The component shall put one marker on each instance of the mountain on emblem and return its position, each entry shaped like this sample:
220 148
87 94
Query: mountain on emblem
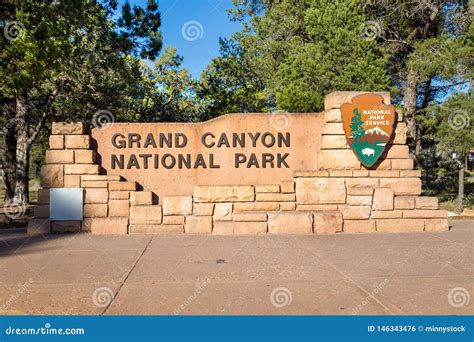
368 125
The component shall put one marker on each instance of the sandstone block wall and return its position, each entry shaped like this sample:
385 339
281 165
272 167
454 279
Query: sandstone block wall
339 196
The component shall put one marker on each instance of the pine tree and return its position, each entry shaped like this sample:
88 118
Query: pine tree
357 130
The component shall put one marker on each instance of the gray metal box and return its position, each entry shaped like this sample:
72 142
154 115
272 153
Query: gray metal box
66 204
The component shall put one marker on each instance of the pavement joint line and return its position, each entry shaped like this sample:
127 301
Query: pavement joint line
122 283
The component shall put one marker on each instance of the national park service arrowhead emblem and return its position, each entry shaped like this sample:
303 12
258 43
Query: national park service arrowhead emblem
368 125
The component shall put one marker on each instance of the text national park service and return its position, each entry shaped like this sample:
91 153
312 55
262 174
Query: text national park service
153 150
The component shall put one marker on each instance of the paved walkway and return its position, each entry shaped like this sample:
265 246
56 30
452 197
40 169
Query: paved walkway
411 273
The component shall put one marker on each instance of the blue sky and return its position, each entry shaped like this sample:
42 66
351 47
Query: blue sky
204 21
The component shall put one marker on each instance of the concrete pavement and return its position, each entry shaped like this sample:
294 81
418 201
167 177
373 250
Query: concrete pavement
410 273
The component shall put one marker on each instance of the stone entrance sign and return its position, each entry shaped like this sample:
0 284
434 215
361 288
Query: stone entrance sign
239 174
238 149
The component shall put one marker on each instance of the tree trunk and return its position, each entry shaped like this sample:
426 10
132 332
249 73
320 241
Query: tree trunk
409 102
22 177
460 200
8 162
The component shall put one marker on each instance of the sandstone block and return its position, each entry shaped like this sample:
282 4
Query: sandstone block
335 128
156 229
177 205
43 196
56 142
316 207
52 176
223 228
359 226
327 222
39 226
119 195
402 164
174 220
410 173
84 156
256 206
224 193
268 197
68 128
287 206
198 225
320 190
96 195
146 214
400 225
122 186
425 213
59 157
94 184
95 210
287 187
385 173
338 160
398 152
361 186
110 225
340 173
290 223
425 202
99 178
383 199
360 173
77 141
409 186
338 98
359 200
81 169
332 116
65 226
360 212
436 225
385 214
250 217
400 134
119 208
329 142
142 198
223 212
203 209
86 224
310 173
249 228
267 188
404 202
72 181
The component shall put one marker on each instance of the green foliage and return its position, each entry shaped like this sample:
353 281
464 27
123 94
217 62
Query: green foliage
454 125
291 54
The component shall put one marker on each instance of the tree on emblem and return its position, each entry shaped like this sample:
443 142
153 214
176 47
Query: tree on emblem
357 130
